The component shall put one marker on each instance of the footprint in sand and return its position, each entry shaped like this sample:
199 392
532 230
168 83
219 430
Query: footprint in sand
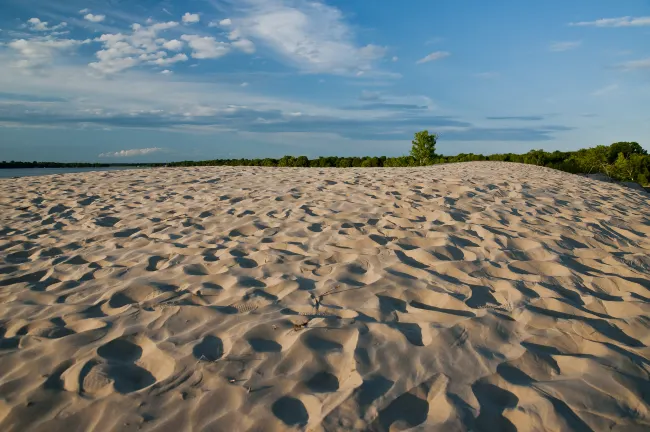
291 411
124 365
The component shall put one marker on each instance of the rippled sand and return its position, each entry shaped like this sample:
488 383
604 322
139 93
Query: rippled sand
477 296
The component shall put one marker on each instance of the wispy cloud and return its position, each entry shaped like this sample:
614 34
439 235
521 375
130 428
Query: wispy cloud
435 40
564 46
308 34
38 51
636 64
487 75
615 22
516 118
130 153
433 57
605 90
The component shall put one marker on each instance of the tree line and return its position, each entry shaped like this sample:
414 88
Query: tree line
622 161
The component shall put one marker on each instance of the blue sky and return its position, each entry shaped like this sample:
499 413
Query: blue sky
152 80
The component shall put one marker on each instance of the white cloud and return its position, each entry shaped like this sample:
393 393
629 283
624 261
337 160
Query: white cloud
114 65
244 84
37 25
309 34
39 51
225 22
245 45
605 90
173 45
123 51
138 98
131 152
206 47
84 11
166 61
433 57
190 18
615 22
95 18
166 72
564 46
435 40
636 64
370 96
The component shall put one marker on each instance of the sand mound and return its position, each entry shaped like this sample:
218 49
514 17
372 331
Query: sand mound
478 296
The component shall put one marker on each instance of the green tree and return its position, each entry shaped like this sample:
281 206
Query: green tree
301 161
286 161
627 148
423 150
535 157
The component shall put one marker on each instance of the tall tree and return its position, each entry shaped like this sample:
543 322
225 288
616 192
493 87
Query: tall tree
423 150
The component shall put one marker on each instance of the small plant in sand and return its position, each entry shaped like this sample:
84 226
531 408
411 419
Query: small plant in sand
423 150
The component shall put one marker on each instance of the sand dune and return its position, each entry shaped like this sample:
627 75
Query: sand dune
478 296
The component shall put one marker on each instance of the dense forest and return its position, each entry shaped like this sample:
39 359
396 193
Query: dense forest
622 161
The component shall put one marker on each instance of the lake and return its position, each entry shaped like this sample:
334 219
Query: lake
30 172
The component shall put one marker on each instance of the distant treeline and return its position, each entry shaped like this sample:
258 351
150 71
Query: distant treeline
623 161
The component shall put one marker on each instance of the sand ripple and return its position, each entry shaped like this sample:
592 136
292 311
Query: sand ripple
477 296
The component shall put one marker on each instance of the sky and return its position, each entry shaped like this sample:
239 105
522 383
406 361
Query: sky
163 80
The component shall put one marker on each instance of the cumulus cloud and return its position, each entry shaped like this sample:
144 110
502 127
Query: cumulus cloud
39 51
190 18
94 18
37 25
227 22
173 45
206 47
244 45
166 72
123 51
564 46
309 34
131 152
166 61
626 21
433 57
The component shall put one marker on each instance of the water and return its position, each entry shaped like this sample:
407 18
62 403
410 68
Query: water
30 172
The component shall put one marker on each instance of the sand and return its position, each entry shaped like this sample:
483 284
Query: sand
478 296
